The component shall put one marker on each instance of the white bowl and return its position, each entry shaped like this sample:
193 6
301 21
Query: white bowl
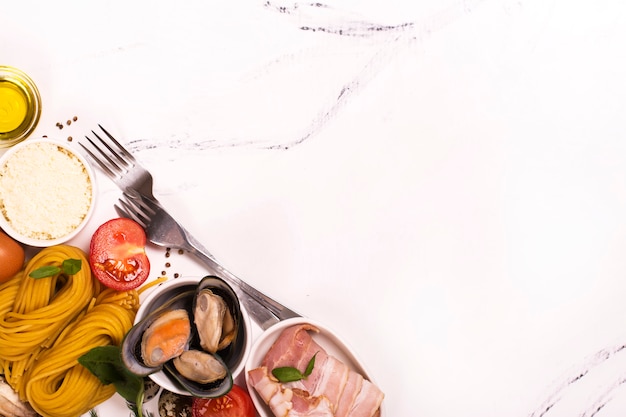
42 197
163 292
326 338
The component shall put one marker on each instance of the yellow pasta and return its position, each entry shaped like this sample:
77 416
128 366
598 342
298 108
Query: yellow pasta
47 324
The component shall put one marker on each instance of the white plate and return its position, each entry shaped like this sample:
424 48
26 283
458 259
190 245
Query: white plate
326 338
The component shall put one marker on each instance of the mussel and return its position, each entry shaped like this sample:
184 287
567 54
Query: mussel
200 366
214 321
199 361
132 355
166 338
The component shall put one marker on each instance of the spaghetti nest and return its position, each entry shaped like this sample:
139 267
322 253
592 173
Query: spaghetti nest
46 324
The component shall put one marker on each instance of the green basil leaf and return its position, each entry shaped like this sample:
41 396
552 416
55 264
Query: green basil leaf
309 367
290 374
69 266
105 362
72 266
45 271
287 374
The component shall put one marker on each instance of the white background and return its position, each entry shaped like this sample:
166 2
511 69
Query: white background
442 183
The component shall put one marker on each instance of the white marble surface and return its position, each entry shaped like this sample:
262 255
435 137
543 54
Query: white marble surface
443 183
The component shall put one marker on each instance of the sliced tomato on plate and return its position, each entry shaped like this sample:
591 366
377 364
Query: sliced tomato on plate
237 403
117 254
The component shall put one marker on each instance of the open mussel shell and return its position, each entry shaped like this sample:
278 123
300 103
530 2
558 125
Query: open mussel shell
234 352
211 390
131 345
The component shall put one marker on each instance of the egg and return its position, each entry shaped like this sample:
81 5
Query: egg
11 257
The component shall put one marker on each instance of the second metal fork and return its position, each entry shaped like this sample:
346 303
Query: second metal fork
118 164
163 230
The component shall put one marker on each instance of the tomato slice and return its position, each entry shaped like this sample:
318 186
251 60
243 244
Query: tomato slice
237 403
117 254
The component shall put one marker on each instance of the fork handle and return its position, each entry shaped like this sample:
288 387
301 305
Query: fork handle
263 309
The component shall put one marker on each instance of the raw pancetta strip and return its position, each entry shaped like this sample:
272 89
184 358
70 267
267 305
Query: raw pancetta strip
350 392
305 405
272 393
328 379
264 386
294 347
332 389
286 402
367 401
314 381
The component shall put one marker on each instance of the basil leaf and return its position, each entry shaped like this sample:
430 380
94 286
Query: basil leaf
309 367
290 374
72 266
105 362
69 267
287 374
45 271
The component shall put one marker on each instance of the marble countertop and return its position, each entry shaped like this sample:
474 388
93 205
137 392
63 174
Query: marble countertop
442 183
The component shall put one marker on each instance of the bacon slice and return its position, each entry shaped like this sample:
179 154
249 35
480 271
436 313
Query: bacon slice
350 393
266 388
305 405
367 401
332 389
272 393
286 401
294 347
328 379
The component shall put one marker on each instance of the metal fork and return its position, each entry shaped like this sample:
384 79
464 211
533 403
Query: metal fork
118 164
163 230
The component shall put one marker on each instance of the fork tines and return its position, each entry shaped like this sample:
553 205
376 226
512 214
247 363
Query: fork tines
135 207
118 158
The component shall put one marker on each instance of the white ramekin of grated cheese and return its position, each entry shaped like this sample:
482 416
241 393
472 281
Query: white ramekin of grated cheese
47 192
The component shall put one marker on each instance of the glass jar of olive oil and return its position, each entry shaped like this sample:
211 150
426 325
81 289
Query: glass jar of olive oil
20 106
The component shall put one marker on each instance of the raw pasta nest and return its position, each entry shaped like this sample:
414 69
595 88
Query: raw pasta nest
47 323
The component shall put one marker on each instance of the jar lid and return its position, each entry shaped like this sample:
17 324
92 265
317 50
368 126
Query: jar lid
20 106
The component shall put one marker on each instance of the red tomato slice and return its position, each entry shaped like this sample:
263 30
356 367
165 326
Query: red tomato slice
117 254
237 403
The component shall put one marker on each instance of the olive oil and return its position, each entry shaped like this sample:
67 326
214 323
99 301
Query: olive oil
20 106
13 107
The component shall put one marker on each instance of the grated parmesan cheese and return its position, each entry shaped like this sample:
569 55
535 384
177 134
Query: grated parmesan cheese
45 191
